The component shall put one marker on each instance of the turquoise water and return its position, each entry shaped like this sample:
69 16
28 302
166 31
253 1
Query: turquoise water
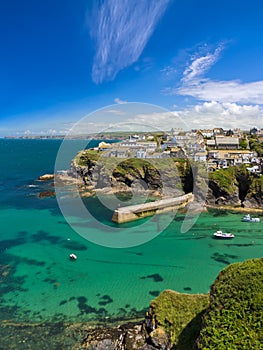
40 283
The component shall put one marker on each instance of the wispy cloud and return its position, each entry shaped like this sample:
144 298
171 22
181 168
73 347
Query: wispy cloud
121 30
115 111
194 82
119 101
200 64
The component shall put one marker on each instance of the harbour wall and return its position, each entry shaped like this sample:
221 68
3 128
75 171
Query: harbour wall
135 212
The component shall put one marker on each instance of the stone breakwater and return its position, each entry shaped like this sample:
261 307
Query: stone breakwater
135 212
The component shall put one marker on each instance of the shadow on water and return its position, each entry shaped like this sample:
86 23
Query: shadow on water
154 293
224 258
41 236
156 277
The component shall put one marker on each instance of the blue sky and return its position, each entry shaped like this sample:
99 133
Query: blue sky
63 59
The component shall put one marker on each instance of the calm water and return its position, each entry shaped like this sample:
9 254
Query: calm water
40 283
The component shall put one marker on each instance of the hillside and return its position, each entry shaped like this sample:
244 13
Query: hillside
233 186
234 318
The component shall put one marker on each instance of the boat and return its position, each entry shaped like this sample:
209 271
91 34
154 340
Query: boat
223 235
73 256
248 218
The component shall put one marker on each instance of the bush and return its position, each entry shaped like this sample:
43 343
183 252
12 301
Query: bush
234 319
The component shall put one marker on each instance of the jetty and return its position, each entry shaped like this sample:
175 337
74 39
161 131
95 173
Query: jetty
139 211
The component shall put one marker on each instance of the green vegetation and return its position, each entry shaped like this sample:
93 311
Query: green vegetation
225 178
230 318
234 319
180 316
256 188
256 145
83 157
243 144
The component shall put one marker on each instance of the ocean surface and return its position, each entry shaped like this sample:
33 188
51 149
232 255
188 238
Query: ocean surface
39 283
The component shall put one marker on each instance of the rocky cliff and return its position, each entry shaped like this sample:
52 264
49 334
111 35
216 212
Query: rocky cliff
234 186
160 176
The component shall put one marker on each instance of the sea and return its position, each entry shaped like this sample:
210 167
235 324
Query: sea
108 282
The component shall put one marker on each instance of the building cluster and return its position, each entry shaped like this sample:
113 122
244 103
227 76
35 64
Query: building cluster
217 148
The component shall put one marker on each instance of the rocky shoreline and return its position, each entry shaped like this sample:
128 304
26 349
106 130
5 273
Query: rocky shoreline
234 208
231 187
49 336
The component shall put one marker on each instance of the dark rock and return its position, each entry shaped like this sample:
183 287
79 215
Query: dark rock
159 339
47 193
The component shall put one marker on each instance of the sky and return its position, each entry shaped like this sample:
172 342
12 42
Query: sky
197 63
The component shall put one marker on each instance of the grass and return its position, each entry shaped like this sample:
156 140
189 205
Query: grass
234 319
180 316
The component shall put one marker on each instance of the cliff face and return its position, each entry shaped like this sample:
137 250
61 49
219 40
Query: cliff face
161 176
233 186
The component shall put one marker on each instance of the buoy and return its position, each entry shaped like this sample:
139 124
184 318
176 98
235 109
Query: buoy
73 256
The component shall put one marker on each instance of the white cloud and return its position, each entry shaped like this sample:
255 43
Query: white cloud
223 91
121 29
225 115
205 115
119 101
194 84
200 65
115 111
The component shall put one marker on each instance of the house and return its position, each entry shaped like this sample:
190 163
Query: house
206 133
211 143
218 131
230 157
141 154
226 142
177 152
200 156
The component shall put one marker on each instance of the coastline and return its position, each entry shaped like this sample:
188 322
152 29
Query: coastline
89 191
235 209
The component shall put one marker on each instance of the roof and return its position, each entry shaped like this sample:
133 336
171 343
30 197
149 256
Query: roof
210 142
227 140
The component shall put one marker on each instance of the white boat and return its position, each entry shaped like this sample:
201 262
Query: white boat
248 218
223 235
73 256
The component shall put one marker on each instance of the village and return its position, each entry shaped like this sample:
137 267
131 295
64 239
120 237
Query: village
216 148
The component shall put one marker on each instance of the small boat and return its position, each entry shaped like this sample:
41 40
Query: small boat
73 256
248 218
223 235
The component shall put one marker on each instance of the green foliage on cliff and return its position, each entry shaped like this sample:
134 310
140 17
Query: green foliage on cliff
180 316
83 157
229 318
225 178
256 145
234 319
256 186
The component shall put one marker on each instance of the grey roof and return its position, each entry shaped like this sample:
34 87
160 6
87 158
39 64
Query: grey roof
227 141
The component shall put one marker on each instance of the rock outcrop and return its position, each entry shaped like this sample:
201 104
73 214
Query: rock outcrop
116 175
46 177
234 186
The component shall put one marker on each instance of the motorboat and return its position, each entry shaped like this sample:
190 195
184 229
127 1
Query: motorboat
223 235
73 256
248 218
